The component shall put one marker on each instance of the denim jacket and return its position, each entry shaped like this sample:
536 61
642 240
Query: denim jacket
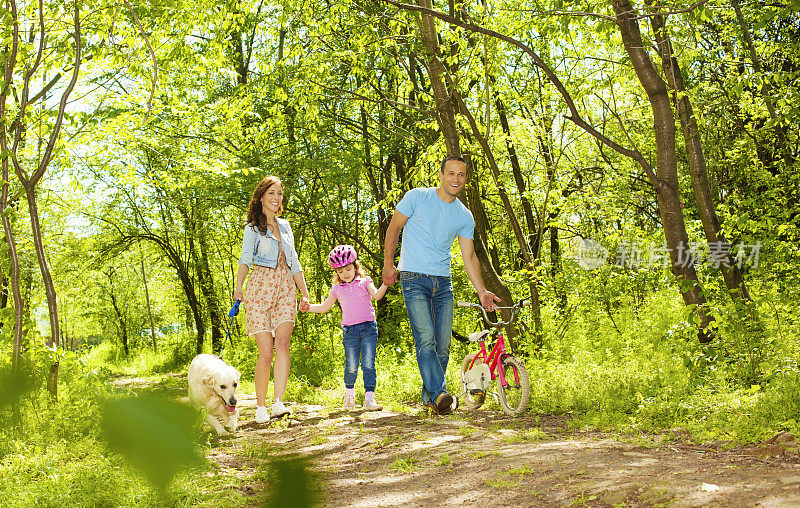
269 256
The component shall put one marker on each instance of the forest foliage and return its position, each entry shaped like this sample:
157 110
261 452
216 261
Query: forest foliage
634 171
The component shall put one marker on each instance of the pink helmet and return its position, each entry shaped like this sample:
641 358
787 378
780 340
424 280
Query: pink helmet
342 255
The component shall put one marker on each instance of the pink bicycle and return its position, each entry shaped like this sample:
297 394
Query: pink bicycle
479 369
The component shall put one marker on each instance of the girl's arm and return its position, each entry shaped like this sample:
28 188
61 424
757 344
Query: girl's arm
325 306
378 293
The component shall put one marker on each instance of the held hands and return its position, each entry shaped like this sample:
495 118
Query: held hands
487 299
304 304
389 274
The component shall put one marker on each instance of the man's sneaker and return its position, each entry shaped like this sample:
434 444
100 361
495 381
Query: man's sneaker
371 405
261 414
278 410
349 403
444 403
430 408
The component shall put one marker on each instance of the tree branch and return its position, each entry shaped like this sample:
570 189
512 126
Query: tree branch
152 55
574 116
48 152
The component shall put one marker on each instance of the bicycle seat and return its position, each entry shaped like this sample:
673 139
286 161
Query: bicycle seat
479 336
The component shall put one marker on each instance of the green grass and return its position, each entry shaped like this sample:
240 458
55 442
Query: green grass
647 377
527 436
521 471
467 430
406 464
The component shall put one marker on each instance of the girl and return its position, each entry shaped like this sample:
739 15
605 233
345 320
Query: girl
354 291
270 300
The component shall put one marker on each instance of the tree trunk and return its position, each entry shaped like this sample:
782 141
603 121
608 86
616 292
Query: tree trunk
194 312
123 327
3 286
49 287
14 278
490 275
445 109
666 182
445 116
147 300
718 244
511 217
206 281
194 306
29 182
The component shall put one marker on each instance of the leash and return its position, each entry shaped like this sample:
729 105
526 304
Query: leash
231 314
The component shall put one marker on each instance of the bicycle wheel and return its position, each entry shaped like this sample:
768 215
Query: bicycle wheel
514 398
472 399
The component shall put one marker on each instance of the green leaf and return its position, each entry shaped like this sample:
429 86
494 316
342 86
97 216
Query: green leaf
154 435
13 386
291 483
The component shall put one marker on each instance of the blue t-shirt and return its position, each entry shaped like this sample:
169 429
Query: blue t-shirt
432 226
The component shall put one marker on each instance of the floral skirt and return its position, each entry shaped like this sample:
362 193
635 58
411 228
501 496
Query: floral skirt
270 298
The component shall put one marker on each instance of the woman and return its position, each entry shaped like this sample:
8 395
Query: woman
270 300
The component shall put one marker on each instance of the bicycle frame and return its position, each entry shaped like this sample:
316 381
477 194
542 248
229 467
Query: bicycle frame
494 360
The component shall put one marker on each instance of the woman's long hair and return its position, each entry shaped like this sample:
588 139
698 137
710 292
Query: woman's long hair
255 216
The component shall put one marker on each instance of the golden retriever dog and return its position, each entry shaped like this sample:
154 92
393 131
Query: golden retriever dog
212 385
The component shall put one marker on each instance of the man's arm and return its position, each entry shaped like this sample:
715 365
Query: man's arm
473 269
389 273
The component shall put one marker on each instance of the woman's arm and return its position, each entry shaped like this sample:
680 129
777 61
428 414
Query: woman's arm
241 274
295 265
378 293
300 282
249 239
324 306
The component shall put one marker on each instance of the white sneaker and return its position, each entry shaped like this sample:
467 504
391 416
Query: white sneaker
349 403
278 410
371 405
261 414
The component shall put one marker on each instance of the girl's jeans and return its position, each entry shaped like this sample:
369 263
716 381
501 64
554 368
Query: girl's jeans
429 303
360 340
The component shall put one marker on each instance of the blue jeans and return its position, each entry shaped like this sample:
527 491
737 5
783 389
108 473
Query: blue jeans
429 303
360 340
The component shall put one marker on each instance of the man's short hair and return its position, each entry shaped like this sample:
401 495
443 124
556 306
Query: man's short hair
452 158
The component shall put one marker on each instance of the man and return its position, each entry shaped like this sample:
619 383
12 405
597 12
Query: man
431 218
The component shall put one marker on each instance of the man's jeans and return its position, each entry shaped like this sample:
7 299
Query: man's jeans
429 302
360 340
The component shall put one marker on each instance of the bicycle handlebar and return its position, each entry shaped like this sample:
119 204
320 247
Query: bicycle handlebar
497 324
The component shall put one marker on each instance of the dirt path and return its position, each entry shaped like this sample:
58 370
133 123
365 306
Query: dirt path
482 458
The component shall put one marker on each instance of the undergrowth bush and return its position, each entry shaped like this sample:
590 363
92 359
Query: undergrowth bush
59 456
630 368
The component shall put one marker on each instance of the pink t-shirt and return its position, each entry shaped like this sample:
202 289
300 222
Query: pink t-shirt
355 300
